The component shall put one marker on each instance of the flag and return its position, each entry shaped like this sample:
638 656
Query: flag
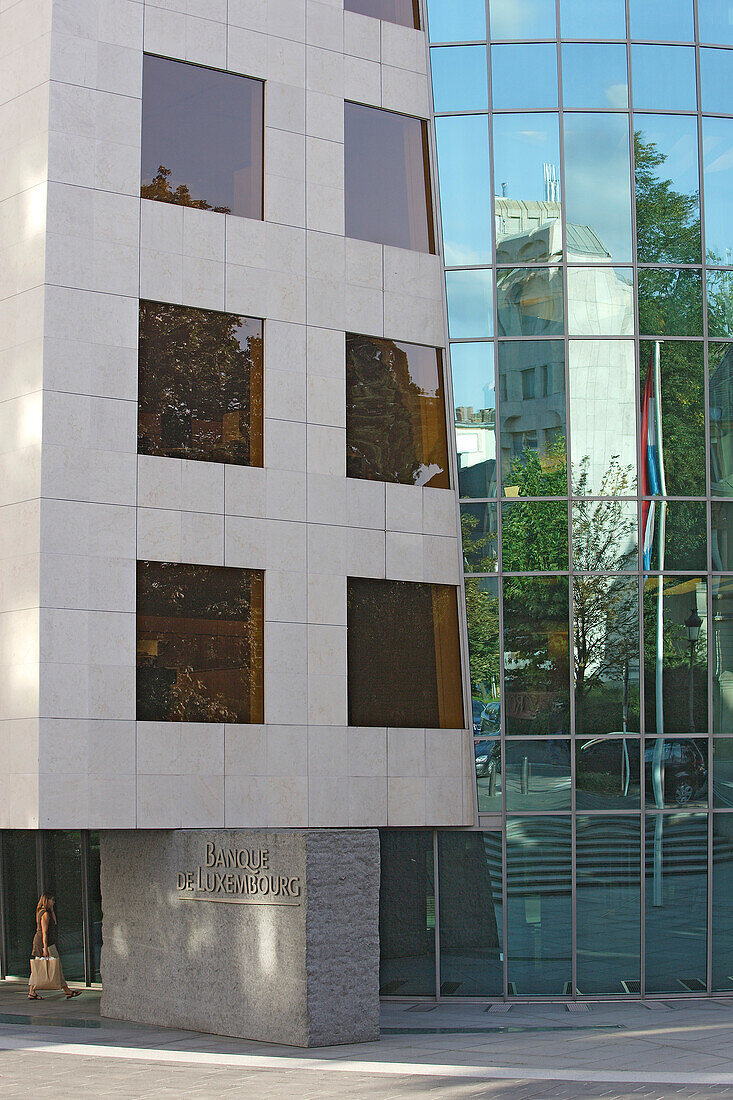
651 485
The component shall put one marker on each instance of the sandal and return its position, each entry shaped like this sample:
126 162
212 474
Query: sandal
73 993
34 997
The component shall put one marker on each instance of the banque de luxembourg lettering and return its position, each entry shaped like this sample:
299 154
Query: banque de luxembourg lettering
239 875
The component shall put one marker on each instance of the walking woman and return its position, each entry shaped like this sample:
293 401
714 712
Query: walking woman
44 942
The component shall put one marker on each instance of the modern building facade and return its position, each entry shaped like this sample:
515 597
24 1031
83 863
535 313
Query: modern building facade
365 401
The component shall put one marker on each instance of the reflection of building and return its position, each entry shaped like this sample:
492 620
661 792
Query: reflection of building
476 447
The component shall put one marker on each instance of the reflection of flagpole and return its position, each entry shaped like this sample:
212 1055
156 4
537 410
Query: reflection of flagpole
657 782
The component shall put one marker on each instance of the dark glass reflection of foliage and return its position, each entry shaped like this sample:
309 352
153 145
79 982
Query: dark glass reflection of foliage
667 221
160 190
683 413
685 536
680 596
200 385
482 612
535 536
606 654
720 302
540 475
395 431
536 660
199 644
479 547
720 358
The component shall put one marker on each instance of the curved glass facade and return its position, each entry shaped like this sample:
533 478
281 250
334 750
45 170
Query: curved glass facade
585 160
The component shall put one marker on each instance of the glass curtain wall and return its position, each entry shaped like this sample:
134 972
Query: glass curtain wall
584 167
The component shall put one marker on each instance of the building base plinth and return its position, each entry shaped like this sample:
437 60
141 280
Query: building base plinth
262 934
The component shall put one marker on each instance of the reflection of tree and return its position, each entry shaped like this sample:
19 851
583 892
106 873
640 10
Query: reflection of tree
540 475
683 413
720 302
479 550
482 611
535 536
396 431
680 596
667 221
604 531
200 385
160 190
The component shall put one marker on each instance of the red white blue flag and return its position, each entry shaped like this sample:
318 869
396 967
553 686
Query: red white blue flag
651 484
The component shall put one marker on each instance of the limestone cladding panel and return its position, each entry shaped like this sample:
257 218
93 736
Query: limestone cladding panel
84 249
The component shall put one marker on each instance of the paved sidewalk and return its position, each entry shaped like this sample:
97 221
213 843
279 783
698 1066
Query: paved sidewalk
680 1049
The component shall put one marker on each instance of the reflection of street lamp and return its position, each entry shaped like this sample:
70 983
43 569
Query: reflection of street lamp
692 626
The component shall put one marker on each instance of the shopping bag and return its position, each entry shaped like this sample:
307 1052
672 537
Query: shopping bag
46 973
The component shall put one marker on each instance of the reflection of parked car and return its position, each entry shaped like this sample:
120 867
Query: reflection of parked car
477 707
684 771
491 718
488 757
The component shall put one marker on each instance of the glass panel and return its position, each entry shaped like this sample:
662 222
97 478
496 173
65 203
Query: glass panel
682 446
670 302
538 905
404 666
201 138
527 188
522 18
487 758
663 78
717 149
482 611
676 772
534 536
715 18
662 20
387 178
603 420
536 665
530 302
404 12
533 448
594 76
471 916
685 536
460 81
606 652
407 913
675 668
395 413
20 898
720 302
721 419
722 916
607 774
600 301
723 773
721 654
480 538
538 774
463 161
472 367
62 854
95 904
199 643
597 186
608 906
451 22
667 189
470 304
721 536
538 84
716 78
602 19
676 902
199 385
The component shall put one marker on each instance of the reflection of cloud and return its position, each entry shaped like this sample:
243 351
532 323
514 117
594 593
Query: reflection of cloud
534 135
617 95
722 163
460 256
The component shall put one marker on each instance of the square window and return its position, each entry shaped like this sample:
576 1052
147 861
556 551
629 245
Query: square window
404 665
199 643
202 135
388 193
199 385
395 413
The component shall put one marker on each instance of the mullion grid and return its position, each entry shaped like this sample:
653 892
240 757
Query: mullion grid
639 574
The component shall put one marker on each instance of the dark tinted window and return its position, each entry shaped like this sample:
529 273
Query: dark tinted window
404 665
200 385
388 197
199 643
201 138
395 413
404 12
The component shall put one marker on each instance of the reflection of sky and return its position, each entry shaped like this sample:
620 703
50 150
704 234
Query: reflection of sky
463 163
472 368
522 143
599 19
594 76
459 78
663 78
717 145
715 22
716 80
538 85
676 137
456 20
470 304
522 19
662 20
597 184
